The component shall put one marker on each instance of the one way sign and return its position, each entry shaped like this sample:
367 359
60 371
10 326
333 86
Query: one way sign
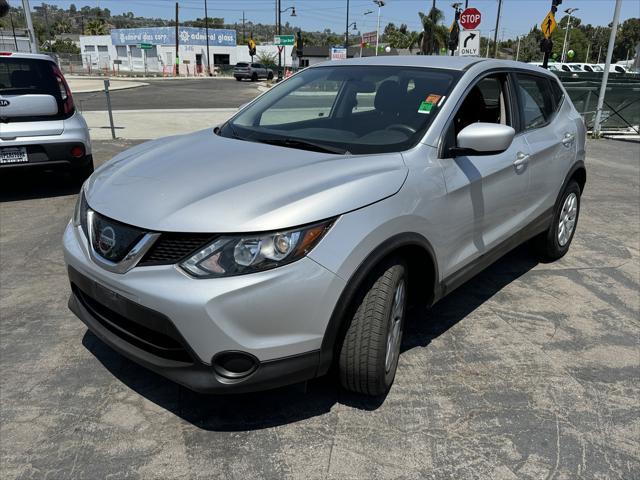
469 43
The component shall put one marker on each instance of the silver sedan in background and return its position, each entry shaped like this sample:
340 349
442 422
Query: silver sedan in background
291 239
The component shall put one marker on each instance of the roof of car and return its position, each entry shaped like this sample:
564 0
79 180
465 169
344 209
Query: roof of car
435 61
35 56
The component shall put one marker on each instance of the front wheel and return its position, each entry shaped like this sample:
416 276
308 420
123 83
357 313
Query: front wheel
270 76
371 348
554 243
254 77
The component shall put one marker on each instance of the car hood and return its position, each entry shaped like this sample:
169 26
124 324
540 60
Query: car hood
202 182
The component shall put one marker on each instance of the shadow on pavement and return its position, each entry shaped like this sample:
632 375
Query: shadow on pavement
30 183
241 412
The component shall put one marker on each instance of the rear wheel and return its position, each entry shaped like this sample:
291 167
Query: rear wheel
254 77
554 243
238 79
270 76
371 348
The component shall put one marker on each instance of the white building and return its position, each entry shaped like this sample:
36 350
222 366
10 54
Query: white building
153 50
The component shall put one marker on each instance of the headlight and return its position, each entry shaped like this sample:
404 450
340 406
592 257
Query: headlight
238 254
80 213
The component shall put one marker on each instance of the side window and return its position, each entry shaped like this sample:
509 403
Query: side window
536 105
255 65
486 102
557 92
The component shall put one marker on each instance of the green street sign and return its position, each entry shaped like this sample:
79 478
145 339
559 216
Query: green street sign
145 46
283 40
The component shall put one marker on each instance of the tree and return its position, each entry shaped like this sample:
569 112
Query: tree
269 60
431 38
62 46
96 27
627 39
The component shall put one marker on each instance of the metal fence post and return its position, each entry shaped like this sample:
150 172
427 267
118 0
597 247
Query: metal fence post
106 92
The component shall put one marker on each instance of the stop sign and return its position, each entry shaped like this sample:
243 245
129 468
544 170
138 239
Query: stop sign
470 18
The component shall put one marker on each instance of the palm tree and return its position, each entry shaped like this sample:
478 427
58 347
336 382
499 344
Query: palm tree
96 27
431 36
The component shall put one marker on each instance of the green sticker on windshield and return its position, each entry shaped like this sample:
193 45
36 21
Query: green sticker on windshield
425 107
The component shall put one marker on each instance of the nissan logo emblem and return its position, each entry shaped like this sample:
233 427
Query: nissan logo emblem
4 103
106 240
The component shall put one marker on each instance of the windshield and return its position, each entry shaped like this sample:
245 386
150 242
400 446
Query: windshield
575 68
346 109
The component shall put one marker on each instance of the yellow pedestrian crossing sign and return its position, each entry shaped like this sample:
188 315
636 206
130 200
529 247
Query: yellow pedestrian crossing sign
548 25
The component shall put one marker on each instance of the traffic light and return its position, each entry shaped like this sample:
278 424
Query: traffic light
554 5
252 47
299 44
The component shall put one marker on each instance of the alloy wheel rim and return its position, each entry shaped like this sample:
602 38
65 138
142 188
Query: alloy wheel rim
394 333
567 221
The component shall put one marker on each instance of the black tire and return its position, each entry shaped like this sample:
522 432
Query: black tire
254 77
238 79
363 356
80 174
270 76
547 244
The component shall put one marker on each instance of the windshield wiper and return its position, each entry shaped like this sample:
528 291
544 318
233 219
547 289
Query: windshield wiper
304 144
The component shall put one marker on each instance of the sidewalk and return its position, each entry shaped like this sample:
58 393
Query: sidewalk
149 124
87 85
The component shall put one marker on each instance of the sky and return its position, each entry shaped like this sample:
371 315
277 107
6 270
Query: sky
517 17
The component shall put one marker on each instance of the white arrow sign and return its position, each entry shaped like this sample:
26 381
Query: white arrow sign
469 43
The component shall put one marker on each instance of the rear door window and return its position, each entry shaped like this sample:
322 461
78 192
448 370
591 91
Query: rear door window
536 102
27 76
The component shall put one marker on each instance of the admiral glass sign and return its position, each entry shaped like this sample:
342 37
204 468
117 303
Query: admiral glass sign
167 36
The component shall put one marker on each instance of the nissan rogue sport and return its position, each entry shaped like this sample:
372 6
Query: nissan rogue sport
289 240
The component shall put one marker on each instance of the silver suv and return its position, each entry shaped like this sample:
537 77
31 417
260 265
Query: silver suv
39 124
251 71
290 239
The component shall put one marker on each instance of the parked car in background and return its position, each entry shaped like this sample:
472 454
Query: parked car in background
291 239
251 71
615 68
589 67
552 67
39 124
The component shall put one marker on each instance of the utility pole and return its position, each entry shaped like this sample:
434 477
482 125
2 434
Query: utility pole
346 31
177 45
599 52
244 40
13 29
518 50
433 36
380 4
206 29
605 75
32 34
570 11
495 34
279 7
586 60
466 4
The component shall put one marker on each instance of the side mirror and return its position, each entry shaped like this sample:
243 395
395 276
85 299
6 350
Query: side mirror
483 139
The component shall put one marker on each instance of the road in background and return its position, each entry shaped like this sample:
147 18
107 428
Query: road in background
173 94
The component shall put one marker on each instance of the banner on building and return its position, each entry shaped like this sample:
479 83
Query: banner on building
167 36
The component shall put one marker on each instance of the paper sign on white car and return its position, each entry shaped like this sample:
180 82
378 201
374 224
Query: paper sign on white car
469 43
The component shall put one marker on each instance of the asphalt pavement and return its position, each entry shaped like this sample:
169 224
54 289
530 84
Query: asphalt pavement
529 371
174 94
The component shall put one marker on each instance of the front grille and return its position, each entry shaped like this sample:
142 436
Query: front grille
160 342
171 248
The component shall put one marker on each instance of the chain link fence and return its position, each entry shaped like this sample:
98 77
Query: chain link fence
621 110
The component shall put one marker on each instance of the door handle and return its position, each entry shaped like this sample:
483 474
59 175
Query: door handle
521 161
568 139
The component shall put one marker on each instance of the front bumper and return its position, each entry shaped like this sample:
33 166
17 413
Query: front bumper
279 317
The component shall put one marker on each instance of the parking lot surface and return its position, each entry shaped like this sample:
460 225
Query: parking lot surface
529 371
